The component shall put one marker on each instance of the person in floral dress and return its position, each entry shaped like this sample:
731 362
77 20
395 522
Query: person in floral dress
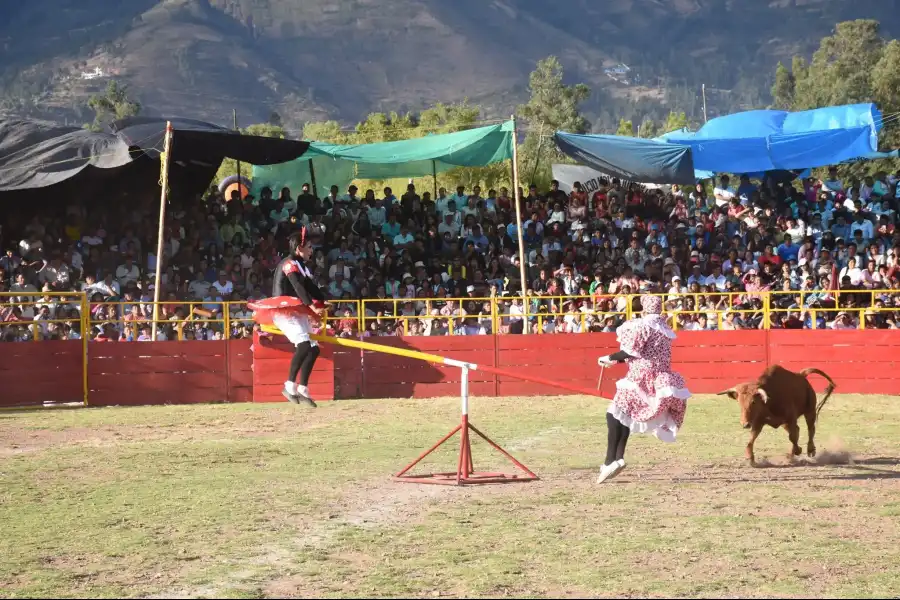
651 398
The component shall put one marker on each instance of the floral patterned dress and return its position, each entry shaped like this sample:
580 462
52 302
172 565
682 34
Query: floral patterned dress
651 398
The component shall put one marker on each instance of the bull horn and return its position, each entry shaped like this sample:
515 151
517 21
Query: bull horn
729 392
762 394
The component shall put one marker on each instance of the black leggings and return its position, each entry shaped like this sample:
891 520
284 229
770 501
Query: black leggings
302 362
617 437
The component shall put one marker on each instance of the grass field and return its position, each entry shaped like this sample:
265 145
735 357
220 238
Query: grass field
277 500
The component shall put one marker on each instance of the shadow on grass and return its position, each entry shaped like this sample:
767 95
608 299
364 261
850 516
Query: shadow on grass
857 470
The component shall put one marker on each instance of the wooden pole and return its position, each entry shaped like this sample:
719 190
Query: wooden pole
312 179
234 118
705 118
518 205
434 176
537 155
163 196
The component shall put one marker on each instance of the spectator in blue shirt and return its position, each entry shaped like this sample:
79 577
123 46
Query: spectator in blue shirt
745 190
788 251
390 228
479 239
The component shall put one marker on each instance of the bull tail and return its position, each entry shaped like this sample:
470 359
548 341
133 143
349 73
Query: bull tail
828 390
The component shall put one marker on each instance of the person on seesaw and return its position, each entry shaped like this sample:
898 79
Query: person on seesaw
651 398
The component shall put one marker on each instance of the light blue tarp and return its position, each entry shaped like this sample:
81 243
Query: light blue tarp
756 141
634 159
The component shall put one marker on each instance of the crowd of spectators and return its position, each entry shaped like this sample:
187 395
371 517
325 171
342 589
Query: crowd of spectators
449 265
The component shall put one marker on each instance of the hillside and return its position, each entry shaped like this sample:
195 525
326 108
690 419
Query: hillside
341 59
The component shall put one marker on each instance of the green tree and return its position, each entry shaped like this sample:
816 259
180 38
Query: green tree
265 130
552 106
648 128
886 90
325 131
112 105
675 121
783 89
841 69
886 79
625 128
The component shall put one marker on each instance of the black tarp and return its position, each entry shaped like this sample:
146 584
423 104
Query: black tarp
634 159
42 159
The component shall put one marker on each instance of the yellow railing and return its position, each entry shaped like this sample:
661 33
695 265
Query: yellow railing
69 315
33 316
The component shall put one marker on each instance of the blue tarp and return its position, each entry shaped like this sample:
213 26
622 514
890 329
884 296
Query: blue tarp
766 140
634 159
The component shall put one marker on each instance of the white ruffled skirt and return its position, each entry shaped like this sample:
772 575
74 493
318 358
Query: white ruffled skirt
651 404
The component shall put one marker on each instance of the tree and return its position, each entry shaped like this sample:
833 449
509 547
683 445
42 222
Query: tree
325 131
275 119
854 65
552 102
886 79
675 121
783 89
886 90
648 128
625 128
553 106
840 71
265 130
114 104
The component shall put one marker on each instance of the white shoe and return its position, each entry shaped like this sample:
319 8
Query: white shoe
611 470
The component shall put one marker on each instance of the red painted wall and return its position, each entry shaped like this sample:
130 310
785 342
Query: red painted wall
32 373
864 362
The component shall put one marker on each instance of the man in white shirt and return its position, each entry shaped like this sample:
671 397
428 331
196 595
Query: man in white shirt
377 214
198 288
449 225
696 276
722 192
440 203
128 272
223 285
862 224
832 185
716 278
404 240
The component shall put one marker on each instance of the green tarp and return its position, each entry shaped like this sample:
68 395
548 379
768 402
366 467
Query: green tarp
340 164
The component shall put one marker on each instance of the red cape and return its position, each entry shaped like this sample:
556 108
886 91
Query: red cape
265 308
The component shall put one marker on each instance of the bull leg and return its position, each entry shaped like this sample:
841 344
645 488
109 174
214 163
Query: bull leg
794 435
754 433
811 429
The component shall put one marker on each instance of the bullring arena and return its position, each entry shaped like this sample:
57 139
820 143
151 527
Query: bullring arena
191 477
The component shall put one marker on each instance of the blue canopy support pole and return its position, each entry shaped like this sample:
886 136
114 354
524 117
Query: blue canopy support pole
312 179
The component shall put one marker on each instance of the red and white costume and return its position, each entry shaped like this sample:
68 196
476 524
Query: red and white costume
651 398
294 293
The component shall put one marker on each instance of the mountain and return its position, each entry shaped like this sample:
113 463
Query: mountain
318 59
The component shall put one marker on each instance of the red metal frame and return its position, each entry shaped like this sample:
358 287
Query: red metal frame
465 470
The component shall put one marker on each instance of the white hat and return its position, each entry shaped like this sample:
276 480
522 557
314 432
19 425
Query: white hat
407 276
470 288
419 263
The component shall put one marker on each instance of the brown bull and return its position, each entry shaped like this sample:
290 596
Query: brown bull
778 399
